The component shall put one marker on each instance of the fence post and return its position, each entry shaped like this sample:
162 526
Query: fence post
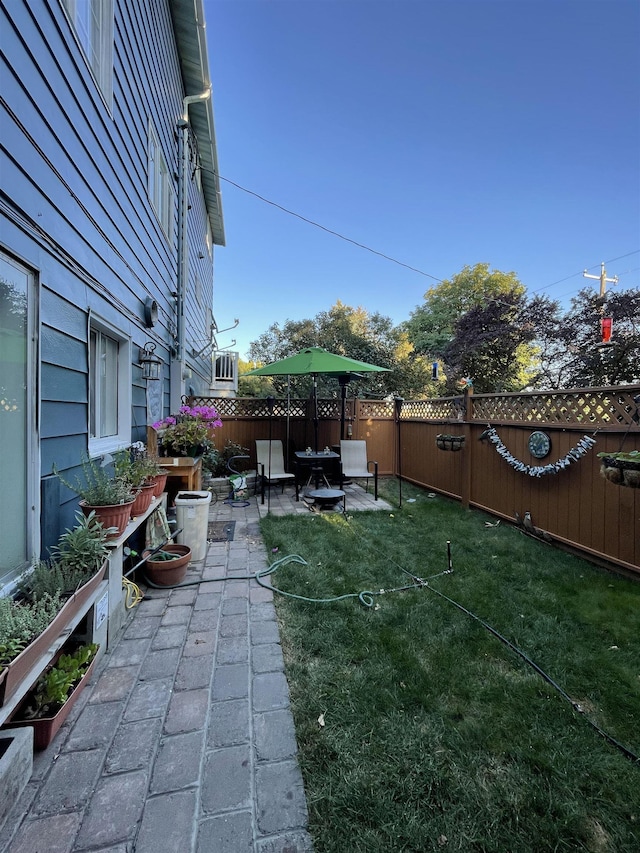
467 452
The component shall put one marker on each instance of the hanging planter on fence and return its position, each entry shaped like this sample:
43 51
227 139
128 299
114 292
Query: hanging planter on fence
449 442
622 469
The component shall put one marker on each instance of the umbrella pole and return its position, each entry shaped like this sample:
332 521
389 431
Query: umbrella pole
315 411
288 420
343 380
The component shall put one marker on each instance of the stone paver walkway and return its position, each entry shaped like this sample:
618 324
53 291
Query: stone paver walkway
184 740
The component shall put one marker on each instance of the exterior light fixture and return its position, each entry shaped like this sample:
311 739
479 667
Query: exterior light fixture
150 362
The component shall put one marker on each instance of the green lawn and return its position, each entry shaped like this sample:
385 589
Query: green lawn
436 735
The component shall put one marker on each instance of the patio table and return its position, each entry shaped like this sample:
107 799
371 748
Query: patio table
315 460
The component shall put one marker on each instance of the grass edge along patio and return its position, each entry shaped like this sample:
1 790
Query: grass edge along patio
418 729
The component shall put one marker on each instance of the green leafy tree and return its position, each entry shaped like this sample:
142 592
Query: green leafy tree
480 324
348 331
431 326
570 351
494 345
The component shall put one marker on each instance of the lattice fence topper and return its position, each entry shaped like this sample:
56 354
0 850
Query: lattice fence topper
574 455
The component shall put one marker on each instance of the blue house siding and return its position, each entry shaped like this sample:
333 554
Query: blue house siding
75 208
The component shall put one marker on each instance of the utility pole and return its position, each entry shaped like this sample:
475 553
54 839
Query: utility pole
603 280
606 324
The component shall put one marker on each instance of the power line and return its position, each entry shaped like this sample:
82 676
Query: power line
388 257
329 230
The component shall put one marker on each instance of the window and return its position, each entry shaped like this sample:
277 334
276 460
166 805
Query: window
159 183
18 503
209 238
225 367
109 389
92 22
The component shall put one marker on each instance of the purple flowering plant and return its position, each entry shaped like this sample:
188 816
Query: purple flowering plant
191 428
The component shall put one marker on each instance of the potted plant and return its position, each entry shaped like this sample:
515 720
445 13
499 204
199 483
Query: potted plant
621 468
216 468
168 565
185 434
79 555
27 629
47 706
49 597
137 469
109 496
450 442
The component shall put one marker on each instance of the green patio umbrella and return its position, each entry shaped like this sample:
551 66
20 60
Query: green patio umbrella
312 361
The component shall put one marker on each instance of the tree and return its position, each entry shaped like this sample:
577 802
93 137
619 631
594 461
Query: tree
493 344
479 325
352 332
431 326
571 355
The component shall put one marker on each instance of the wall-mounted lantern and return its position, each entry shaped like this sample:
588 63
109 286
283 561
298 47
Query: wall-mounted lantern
151 364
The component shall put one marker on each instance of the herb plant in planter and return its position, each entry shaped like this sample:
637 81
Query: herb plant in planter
137 469
50 702
110 496
50 597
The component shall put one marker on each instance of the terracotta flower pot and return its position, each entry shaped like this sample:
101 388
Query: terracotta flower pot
159 483
142 500
168 572
116 516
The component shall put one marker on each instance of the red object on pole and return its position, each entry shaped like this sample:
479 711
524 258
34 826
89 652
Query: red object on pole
606 325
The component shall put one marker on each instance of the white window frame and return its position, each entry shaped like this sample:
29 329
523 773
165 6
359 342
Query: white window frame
122 437
92 25
159 183
32 419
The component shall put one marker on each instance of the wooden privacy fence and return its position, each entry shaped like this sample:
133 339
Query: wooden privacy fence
494 470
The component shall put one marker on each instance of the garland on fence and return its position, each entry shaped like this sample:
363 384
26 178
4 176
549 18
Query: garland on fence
574 455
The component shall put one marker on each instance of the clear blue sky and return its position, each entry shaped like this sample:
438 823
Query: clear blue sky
438 133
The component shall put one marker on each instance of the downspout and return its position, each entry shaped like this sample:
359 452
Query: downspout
178 374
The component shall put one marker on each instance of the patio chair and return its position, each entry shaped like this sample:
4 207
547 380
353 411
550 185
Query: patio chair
354 464
270 468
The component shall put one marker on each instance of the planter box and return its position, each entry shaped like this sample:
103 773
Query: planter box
15 672
16 764
46 728
450 442
220 487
